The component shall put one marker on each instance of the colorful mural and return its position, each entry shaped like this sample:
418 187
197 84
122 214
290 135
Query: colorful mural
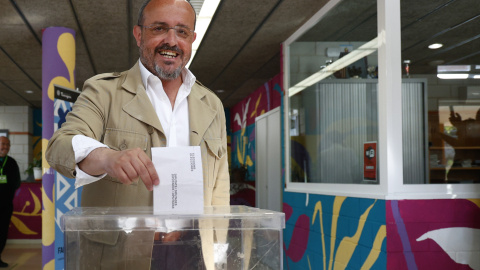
66 195
433 234
58 68
333 232
26 222
242 119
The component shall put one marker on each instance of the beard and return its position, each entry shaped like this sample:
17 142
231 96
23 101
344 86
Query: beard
164 75
149 61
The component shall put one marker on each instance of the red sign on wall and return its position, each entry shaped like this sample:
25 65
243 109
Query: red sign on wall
370 161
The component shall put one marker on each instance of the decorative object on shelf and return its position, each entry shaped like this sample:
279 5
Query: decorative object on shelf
35 168
372 72
407 68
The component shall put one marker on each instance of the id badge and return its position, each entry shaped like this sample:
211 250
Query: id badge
3 179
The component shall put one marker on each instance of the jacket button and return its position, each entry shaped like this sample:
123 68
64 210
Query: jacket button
150 130
123 146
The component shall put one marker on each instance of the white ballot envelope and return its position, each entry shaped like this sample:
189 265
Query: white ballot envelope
181 180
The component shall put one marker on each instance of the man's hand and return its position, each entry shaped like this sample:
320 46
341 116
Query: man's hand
168 237
127 166
455 118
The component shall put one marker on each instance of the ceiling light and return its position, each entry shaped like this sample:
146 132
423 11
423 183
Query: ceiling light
220 91
453 76
435 46
203 21
454 68
29 91
458 72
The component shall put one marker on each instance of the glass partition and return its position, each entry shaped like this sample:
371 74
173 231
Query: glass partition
440 46
332 89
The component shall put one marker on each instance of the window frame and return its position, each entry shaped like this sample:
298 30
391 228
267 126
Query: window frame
390 145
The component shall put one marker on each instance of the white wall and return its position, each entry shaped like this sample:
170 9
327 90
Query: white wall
18 121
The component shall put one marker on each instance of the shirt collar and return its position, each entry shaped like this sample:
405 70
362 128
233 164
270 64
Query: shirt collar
187 77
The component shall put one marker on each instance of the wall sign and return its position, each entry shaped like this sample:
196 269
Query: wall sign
370 161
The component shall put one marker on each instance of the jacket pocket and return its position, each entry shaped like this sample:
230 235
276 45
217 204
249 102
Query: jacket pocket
215 147
119 140
215 151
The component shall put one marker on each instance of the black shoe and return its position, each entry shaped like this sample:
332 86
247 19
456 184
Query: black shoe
3 264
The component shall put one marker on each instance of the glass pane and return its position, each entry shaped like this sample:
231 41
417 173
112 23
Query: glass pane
333 97
450 69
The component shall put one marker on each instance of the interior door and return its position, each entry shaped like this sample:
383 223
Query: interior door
268 171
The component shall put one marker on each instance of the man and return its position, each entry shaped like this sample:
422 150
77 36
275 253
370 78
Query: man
9 182
106 140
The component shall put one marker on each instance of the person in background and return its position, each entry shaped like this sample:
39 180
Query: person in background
106 140
9 182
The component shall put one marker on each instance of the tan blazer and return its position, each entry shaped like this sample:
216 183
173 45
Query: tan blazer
115 110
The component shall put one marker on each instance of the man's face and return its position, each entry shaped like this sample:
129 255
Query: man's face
4 146
167 54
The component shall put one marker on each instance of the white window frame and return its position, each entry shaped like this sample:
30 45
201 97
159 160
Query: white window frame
391 186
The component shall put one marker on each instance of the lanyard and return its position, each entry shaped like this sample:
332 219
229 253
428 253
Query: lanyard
4 161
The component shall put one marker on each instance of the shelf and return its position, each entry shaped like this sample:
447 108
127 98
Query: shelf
456 148
456 168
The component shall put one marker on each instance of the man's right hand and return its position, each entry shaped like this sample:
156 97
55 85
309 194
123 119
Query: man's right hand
127 165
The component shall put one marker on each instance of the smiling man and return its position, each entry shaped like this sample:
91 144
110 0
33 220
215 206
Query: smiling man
9 182
106 140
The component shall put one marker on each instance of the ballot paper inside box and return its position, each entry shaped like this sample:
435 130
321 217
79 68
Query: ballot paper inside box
227 237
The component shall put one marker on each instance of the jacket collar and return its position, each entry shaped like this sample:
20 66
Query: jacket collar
140 107
201 114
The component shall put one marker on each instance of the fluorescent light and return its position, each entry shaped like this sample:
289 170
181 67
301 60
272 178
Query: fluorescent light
452 76
476 76
29 91
366 49
453 68
203 21
435 46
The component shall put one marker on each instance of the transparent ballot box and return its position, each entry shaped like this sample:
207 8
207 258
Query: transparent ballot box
226 237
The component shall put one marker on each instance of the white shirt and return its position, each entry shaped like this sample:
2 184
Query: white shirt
175 123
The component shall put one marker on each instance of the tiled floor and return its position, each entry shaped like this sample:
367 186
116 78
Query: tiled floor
22 256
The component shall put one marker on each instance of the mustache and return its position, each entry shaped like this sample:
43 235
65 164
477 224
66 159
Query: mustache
169 48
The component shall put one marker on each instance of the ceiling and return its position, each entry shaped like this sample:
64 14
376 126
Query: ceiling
241 49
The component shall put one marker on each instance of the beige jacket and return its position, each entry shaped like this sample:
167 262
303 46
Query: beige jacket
115 110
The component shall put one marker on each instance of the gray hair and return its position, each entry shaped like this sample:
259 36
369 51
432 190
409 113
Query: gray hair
145 3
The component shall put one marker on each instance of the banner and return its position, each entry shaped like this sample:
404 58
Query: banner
66 196
58 68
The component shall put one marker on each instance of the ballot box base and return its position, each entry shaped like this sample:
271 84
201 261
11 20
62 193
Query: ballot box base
222 237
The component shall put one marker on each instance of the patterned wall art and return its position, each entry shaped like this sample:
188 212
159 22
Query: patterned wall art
26 221
433 234
334 232
242 120
66 195
58 68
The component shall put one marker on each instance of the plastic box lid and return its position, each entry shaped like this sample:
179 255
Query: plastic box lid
142 218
